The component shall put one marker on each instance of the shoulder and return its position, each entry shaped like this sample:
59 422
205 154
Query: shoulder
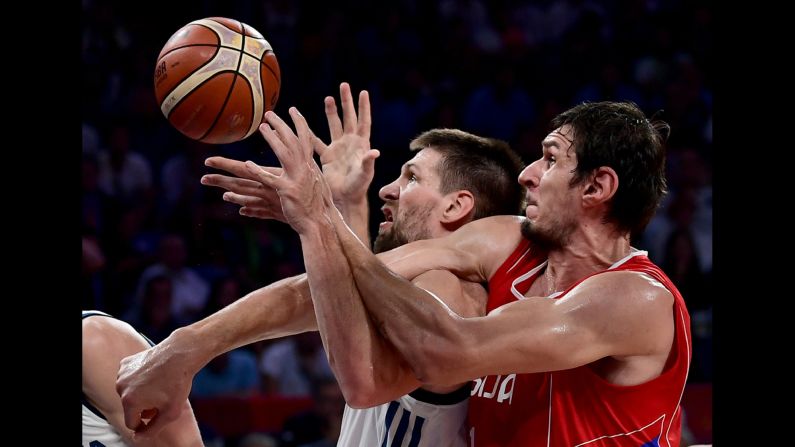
492 240
495 233
632 309
629 288
103 336
495 223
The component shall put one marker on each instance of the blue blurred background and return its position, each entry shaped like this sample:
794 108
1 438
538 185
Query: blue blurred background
161 251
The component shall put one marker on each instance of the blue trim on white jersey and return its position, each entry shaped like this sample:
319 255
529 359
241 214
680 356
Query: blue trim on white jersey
400 433
390 414
416 433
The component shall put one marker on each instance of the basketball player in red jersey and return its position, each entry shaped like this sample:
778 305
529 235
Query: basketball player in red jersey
586 342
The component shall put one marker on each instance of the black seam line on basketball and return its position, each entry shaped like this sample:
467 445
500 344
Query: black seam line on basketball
183 80
195 89
190 45
242 27
227 27
218 36
231 87
276 77
253 56
251 88
213 45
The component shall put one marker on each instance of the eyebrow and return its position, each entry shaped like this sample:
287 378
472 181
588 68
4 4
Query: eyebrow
411 166
548 143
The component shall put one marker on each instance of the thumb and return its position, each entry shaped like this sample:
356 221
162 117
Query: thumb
153 421
133 414
368 163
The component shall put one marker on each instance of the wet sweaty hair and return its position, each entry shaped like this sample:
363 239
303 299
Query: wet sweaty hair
486 167
618 135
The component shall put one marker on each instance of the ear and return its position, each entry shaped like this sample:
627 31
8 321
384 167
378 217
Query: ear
459 206
601 187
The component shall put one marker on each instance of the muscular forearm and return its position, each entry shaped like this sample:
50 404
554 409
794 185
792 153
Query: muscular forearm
357 215
418 326
280 309
351 341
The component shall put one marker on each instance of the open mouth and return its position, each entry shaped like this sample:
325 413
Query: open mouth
388 218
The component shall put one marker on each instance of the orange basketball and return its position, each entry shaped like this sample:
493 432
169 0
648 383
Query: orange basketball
215 78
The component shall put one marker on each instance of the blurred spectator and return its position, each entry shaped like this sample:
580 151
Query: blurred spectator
320 426
688 205
289 366
500 107
680 263
258 440
123 173
232 373
93 261
190 291
154 317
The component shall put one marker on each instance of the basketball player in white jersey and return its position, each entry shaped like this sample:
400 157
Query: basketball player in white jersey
106 341
454 178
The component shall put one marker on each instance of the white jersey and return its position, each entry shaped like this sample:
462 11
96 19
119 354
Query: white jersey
418 419
97 432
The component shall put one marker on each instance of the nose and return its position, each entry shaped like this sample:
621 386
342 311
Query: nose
530 175
390 191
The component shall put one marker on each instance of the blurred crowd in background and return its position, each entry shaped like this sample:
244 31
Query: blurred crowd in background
161 251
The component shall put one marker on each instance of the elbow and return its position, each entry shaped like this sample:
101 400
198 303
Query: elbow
441 363
360 399
427 367
357 384
359 392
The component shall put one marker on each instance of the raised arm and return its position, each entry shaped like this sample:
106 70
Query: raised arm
105 342
348 162
348 167
367 367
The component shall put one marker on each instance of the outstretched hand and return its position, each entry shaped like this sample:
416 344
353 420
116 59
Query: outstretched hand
245 189
303 191
348 162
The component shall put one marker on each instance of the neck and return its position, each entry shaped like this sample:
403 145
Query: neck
586 253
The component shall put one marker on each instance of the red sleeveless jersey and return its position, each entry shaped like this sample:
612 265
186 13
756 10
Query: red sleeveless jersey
576 407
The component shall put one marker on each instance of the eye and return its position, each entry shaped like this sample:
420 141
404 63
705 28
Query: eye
412 178
550 161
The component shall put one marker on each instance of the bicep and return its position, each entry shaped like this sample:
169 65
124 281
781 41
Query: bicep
601 317
532 335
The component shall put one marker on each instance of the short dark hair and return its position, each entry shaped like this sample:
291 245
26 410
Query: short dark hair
618 135
486 167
